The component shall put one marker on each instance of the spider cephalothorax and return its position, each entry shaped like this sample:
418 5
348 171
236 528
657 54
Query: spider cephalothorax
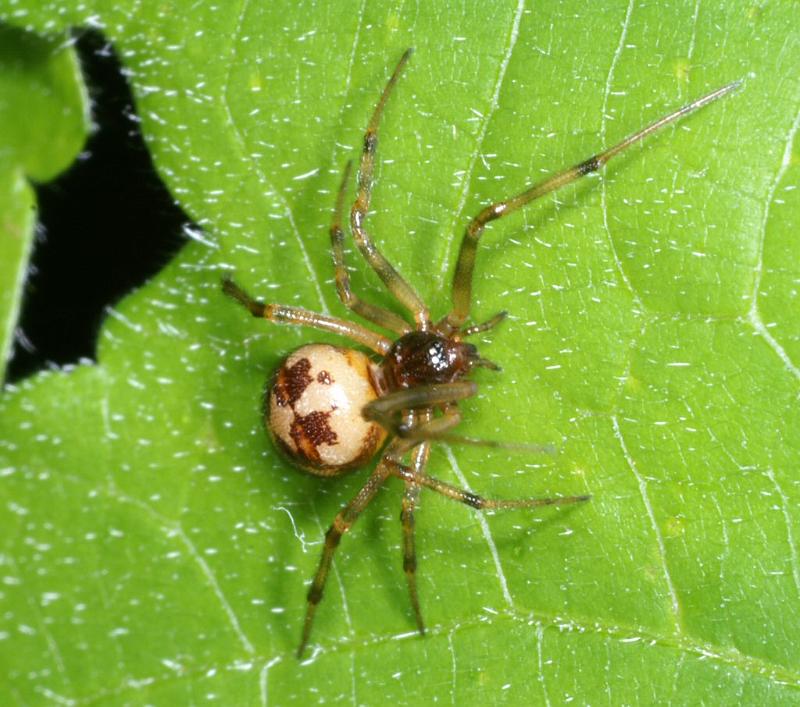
331 409
426 357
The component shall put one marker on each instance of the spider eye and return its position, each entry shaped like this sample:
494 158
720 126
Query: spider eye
437 356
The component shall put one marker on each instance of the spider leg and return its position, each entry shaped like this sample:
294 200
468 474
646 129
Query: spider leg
462 281
341 524
410 502
284 314
484 326
394 282
377 315
471 499
386 412
419 460
429 428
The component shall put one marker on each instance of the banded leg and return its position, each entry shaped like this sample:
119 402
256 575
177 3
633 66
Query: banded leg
341 524
386 409
377 315
394 282
386 412
284 314
484 326
462 281
430 428
475 501
419 460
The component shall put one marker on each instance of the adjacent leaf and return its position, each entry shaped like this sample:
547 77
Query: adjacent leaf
157 548
16 235
43 124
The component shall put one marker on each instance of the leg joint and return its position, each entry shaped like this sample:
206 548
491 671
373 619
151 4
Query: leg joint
343 288
333 537
314 594
473 500
589 166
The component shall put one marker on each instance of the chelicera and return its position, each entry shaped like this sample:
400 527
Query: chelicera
332 409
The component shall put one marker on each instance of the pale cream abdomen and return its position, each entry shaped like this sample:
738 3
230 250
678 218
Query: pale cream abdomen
314 409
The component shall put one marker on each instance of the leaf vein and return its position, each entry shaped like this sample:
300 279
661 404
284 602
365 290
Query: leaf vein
653 523
269 188
603 125
487 533
754 315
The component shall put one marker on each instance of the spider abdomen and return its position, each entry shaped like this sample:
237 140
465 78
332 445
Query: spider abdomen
313 409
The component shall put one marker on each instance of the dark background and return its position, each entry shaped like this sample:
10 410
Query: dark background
106 225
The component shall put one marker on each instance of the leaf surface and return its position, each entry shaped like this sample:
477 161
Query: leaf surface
156 547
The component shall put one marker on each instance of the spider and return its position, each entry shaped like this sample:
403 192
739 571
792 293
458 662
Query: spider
331 409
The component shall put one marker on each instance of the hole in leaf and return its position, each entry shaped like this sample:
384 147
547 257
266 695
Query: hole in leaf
105 226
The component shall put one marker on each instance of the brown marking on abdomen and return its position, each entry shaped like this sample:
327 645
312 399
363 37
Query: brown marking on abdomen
311 431
292 382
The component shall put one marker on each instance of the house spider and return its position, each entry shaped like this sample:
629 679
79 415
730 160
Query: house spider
331 409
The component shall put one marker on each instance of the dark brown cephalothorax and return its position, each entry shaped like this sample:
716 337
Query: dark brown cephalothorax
426 357
332 409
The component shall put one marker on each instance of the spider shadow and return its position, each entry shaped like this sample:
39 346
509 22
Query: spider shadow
302 518
436 539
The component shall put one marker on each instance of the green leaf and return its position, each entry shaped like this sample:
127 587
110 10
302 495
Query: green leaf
43 124
156 549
